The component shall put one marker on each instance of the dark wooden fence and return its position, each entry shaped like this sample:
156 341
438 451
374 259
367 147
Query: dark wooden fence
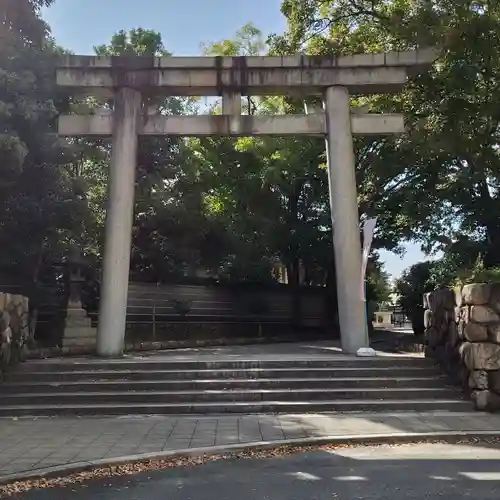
199 312
224 303
179 310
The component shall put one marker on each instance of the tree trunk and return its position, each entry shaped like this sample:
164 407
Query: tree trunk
488 216
492 254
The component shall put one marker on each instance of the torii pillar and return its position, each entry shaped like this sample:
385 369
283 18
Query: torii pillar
345 219
119 222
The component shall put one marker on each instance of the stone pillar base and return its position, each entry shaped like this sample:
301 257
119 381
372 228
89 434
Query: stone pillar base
78 331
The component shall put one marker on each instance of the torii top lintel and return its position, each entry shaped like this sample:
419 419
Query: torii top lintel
248 75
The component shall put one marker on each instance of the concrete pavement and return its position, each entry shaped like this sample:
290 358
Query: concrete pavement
29 444
404 472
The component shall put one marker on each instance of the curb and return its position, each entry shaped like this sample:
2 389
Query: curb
356 439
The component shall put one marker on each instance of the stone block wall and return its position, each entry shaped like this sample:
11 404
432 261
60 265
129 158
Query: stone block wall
14 329
463 333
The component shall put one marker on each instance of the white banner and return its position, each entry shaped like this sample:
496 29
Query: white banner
368 232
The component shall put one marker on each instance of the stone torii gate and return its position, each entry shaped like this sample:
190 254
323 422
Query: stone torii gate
130 80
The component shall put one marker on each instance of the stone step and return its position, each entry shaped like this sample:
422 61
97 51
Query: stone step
224 374
217 408
229 396
77 313
79 322
79 332
146 364
79 342
159 383
126 385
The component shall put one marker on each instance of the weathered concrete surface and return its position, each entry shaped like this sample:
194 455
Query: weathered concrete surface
243 125
345 220
271 81
119 219
231 103
415 58
361 73
406 472
78 330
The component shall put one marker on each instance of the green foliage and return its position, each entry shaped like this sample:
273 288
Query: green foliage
489 275
234 208
431 275
441 178
137 42
414 282
378 289
172 235
248 41
271 193
37 202
478 274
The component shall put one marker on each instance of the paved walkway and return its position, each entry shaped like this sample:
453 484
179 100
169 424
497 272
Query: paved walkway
286 351
27 444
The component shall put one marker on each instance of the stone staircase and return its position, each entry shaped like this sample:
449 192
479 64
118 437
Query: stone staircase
159 385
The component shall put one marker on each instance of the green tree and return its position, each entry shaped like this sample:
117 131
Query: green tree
172 235
275 194
441 178
414 282
378 289
271 192
37 202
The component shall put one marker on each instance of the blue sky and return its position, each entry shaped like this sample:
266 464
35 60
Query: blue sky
184 24
79 25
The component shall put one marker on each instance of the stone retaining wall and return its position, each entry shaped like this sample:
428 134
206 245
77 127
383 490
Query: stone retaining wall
14 329
463 334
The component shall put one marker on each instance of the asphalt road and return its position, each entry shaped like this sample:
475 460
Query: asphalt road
423 471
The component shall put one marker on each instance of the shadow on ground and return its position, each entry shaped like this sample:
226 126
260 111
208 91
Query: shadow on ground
397 341
417 471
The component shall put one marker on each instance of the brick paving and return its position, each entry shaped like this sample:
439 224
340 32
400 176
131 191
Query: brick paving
27 443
